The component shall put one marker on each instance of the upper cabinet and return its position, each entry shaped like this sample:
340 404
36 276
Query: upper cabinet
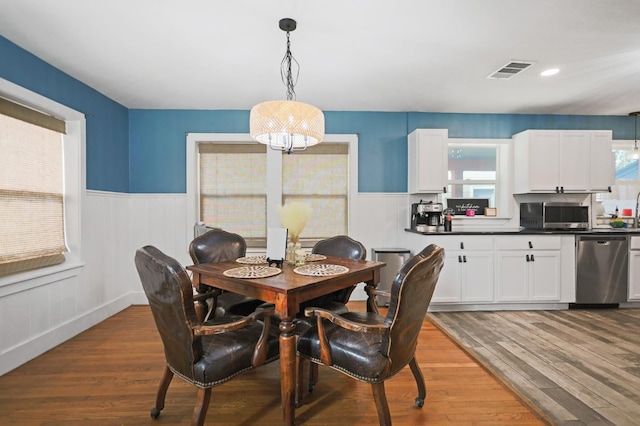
563 161
427 162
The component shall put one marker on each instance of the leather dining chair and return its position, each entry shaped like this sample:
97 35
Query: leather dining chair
338 246
373 348
218 245
203 354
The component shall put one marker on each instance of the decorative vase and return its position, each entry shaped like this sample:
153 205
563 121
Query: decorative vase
290 254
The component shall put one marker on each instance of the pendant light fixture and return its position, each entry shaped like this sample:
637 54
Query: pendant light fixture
634 154
287 125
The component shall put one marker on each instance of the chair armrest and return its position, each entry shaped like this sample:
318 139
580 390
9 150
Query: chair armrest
204 296
345 323
260 350
205 330
325 348
377 292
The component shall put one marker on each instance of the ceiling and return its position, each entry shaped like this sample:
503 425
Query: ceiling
354 55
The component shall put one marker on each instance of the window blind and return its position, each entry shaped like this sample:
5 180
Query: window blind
31 189
233 190
319 177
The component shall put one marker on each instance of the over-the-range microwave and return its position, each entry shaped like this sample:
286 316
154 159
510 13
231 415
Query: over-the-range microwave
548 215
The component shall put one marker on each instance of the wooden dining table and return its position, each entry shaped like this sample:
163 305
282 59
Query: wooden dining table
287 290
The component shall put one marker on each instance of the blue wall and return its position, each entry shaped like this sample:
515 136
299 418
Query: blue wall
107 149
143 151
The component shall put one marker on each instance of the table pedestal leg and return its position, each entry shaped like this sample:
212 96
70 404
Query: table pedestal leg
288 370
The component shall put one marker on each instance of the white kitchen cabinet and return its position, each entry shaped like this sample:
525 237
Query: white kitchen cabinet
427 161
634 269
467 274
603 167
562 161
528 268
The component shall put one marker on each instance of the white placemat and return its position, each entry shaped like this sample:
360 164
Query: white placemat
313 257
252 272
321 270
252 260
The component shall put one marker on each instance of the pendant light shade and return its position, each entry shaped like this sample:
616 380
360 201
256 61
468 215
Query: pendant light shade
634 153
287 125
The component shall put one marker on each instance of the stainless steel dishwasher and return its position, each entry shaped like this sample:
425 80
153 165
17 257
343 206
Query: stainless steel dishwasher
601 270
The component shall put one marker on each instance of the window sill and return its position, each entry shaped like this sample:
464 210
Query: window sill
23 281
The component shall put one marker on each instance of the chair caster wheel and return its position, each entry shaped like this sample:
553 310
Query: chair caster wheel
419 402
155 413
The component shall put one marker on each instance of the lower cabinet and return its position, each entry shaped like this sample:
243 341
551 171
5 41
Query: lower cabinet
488 269
467 274
528 269
634 269
527 276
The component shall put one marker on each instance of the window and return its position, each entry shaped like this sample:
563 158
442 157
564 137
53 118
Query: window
68 160
472 172
231 195
236 184
481 168
31 189
623 194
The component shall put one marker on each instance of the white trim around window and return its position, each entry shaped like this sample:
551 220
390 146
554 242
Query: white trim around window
274 175
74 186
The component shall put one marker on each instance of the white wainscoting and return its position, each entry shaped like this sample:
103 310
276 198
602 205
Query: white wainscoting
37 316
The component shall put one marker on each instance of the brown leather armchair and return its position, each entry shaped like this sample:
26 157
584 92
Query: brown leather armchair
373 348
203 354
218 245
338 246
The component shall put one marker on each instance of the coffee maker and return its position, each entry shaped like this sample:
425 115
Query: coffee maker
426 217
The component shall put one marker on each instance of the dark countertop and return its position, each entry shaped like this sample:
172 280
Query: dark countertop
524 231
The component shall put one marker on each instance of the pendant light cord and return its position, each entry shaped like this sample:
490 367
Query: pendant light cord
286 71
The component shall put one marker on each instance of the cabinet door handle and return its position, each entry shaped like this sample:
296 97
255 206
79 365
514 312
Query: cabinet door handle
444 189
461 245
609 188
530 245
464 259
532 259
562 189
557 189
459 259
528 258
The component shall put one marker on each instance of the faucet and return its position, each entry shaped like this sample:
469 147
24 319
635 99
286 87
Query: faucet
635 213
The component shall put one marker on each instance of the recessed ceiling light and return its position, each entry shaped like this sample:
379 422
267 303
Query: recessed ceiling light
551 71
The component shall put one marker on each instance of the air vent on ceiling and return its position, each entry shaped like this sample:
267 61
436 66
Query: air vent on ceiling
510 69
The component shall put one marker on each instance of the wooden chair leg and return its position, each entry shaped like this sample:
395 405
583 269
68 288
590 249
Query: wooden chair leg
202 405
300 380
422 389
379 396
313 375
162 392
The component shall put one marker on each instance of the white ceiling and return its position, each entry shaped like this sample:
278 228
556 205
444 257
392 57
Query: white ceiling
355 55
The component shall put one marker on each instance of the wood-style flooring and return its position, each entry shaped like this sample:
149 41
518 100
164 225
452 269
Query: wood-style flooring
109 374
580 367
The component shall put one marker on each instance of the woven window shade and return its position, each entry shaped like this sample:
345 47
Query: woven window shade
319 176
233 190
31 193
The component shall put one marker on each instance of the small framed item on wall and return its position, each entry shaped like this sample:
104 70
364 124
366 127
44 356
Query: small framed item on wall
490 211
475 206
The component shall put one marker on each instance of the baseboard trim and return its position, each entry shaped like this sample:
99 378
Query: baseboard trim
20 354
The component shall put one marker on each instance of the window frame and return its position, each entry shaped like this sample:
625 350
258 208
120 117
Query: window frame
74 186
274 177
504 171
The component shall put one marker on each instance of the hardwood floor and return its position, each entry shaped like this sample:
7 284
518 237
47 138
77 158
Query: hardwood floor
580 367
109 374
